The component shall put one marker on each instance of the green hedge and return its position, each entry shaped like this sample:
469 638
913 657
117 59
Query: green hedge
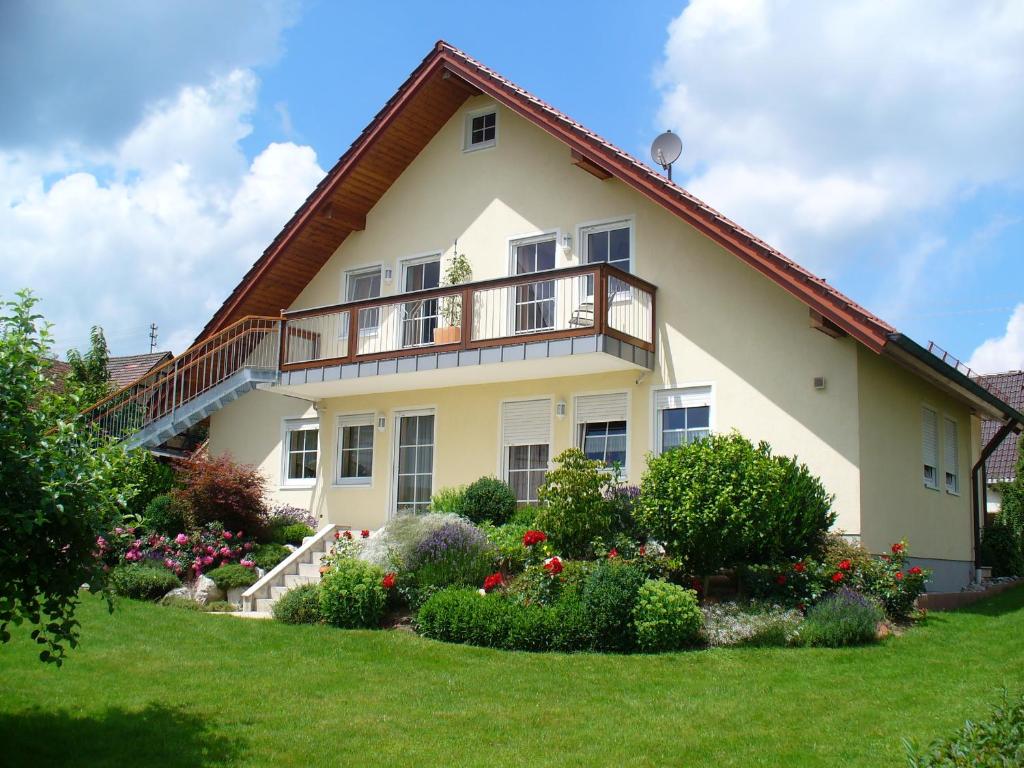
142 582
300 605
351 595
233 575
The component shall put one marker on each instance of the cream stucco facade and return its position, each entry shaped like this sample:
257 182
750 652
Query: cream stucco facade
720 325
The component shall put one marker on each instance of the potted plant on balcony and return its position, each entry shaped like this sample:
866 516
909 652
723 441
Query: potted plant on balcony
458 272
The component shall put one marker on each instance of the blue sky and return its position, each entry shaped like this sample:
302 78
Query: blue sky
155 154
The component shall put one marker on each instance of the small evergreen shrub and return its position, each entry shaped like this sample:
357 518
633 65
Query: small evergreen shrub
1001 550
488 499
995 742
448 501
609 596
233 575
142 581
351 594
164 515
300 605
575 510
266 556
666 617
844 618
290 533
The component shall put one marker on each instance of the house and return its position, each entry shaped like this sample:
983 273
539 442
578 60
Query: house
1001 466
128 368
608 309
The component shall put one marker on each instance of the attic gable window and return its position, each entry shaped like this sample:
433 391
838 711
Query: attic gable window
481 130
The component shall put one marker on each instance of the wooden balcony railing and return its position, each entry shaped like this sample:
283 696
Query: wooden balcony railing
557 304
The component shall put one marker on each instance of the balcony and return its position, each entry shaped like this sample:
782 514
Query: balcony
578 320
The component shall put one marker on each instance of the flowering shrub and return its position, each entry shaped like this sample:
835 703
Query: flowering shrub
286 514
510 553
388 582
750 625
666 617
532 537
537 585
185 555
493 581
352 594
844 618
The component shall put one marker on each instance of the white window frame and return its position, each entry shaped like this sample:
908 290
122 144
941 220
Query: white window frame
467 130
419 258
934 484
605 225
297 425
396 425
694 396
951 464
355 272
579 425
513 305
354 420
503 445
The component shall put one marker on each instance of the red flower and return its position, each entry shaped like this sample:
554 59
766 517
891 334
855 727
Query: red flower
898 547
837 577
388 582
347 535
799 567
780 579
613 553
534 537
553 565
898 575
915 571
642 551
337 535
696 585
364 533
493 581
845 565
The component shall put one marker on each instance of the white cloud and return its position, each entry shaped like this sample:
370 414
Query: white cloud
1005 353
811 123
161 231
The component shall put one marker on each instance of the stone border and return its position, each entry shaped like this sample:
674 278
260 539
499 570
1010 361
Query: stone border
951 601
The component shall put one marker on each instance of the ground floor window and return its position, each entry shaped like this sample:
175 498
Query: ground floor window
525 445
682 416
605 441
526 467
301 451
414 470
355 449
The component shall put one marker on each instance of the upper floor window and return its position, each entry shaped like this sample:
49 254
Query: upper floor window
301 450
930 446
481 129
610 243
363 284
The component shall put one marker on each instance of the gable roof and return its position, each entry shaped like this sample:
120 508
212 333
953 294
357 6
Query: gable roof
126 369
1002 464
430 96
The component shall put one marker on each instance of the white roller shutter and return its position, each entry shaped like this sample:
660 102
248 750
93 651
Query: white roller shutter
690 397
592 408
526 422
929 437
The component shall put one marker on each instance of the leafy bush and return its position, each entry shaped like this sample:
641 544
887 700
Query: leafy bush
575 509
217 489
996 742
609 597
525 515
666 617
300 605
750 625
510 554
722 502
142 581
448 501
537 585
844 618
1002 550
290 533
164 515
488 499
233 575
454 553
351 594
144 478
266 556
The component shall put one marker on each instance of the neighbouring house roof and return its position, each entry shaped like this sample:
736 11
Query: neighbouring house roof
126 369
56 373
1001 466
431 95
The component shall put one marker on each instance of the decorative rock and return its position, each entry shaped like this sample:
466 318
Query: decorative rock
202 590
882 631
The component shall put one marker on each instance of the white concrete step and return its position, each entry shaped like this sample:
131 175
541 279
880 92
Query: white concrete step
264 604
294 580
310 569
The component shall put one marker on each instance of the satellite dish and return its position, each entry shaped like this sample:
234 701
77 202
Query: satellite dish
665 150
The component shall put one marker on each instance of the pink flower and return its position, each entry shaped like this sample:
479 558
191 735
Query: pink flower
224 552
168 563
247 546
207 560
227 535
240 534
247 563
119 530
181 539
210 550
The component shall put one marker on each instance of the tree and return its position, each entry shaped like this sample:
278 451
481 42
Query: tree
89 373
58 487
1011 508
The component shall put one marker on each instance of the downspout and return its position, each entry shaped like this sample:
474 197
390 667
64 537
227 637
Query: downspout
979 488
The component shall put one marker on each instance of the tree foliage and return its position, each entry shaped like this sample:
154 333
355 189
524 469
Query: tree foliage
89 373
58 487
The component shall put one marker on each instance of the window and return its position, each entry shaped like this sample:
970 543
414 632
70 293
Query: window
608 244
363 284
481 130
414 469
534 302
681 416
355 449
526 446
301 449
419 318
930 446
601 427
952 458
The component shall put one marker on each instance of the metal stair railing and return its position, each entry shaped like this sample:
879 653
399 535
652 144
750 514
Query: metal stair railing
250 343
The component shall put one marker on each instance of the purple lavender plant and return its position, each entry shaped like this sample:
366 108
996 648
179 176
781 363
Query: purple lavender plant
285 514
451 539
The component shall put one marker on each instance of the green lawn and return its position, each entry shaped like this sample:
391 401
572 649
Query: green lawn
163 686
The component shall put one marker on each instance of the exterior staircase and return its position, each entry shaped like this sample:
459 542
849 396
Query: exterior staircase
301 567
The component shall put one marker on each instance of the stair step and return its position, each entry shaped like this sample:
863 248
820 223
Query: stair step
310 569
294 580
264 604
277 593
